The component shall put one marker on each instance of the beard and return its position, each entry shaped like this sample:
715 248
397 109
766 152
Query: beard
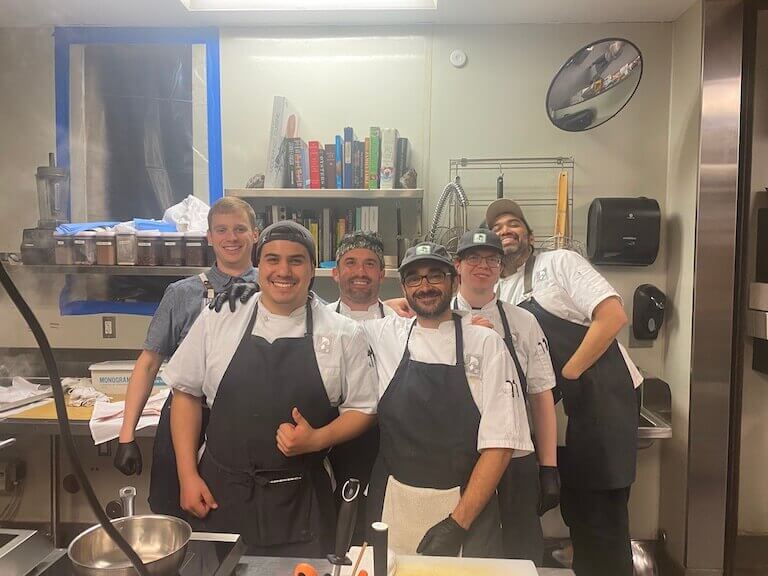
440 305
358 294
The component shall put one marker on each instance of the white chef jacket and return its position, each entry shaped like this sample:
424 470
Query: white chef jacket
566 285
341 350
491 373
372 313
527 338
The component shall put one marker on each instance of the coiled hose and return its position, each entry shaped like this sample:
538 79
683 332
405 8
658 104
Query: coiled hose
457 190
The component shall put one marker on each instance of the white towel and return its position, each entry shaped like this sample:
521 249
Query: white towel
411 511
107 417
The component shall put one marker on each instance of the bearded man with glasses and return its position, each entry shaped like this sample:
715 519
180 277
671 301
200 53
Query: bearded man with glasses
531 485
451 414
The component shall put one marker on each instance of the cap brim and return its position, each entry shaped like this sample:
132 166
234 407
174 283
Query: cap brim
422 258
491 246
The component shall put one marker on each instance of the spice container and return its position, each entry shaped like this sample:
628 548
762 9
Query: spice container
84 248
106 254
195 247
126 248
62 248
149 248
173 249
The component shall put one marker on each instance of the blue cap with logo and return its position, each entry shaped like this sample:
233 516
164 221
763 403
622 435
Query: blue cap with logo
426 251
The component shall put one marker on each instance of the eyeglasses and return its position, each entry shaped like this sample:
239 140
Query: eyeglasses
475 260
414 280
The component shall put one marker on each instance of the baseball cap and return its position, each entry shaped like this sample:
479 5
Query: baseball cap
287 230
480 238
504 206
426 251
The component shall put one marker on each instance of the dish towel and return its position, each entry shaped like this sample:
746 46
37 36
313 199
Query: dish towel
81 393
107 417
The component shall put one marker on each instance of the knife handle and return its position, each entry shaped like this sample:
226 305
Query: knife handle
350 498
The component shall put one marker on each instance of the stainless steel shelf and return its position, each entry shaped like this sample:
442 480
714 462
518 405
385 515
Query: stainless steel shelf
326 194
142 270
653 426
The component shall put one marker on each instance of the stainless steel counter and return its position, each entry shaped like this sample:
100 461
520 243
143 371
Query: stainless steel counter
261 566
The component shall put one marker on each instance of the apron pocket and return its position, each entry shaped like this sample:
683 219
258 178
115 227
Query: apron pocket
571 391
282 506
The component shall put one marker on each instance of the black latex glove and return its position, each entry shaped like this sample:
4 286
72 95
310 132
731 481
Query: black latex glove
443 539
128 458
238 291
549 488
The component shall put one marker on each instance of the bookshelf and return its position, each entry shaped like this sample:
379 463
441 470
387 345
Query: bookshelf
399 209
326 194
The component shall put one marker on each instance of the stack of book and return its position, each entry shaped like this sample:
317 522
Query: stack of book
327 226
372 164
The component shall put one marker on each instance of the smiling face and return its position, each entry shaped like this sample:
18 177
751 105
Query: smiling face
514 234
359 275
479 269
430 297
285 273
232 237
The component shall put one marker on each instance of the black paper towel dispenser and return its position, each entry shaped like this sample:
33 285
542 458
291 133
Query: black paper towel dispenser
623 231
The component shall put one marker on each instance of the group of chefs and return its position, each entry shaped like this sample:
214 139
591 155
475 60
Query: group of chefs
279 397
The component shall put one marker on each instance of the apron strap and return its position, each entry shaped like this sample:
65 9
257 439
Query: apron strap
528 274
338 307
459 340
209 292
310 325
381 309
455 303
511 346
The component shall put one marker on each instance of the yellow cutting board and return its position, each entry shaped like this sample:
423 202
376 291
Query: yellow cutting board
48 411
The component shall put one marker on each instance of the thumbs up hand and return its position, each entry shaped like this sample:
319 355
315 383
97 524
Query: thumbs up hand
298 438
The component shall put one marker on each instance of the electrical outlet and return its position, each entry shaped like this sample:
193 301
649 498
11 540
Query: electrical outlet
108 327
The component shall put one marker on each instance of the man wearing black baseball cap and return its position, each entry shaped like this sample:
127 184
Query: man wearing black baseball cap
286 379
451 416
531 484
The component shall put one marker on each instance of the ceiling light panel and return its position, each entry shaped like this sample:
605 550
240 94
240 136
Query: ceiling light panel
308 5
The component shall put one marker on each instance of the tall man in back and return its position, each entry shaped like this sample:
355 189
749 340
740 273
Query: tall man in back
581 314
232 233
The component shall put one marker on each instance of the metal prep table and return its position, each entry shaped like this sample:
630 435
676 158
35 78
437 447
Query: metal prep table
22 424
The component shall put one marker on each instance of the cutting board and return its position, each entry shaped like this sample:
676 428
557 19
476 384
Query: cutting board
48 411
439 566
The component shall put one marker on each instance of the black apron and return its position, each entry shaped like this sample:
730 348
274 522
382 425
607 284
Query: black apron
600 450
518 489
354 459
164 481
282 506
429 424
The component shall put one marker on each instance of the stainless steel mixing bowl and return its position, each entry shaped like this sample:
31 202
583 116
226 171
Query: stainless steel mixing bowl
160 541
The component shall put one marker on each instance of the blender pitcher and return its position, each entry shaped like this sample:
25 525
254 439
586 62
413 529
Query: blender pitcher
52 193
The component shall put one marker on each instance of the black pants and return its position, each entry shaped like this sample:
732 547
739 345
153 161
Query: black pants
599 526
519 503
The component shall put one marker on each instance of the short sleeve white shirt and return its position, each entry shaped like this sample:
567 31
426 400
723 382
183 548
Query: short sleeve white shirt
491 374
527 338
341 351
566 285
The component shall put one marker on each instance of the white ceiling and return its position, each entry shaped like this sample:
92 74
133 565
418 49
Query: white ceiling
25 13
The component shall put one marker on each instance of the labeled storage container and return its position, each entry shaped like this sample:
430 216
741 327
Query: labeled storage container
149 248
173 249
126 248
195 248
106 253
84 248
112 377
62 244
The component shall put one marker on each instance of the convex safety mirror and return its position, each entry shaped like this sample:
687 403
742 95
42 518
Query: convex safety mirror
594 84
